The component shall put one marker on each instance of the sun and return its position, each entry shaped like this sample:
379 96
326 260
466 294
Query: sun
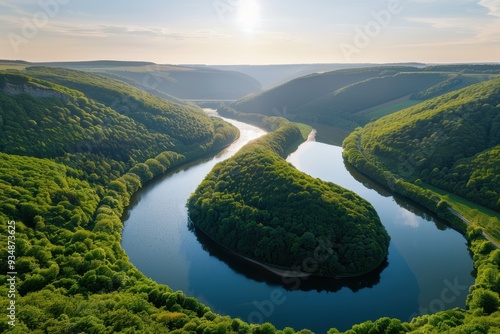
248 14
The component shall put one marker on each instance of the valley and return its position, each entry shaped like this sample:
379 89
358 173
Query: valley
100 168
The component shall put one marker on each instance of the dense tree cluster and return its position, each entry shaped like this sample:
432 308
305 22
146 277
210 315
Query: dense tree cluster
261 207
451 142
186 124
357 158
44 120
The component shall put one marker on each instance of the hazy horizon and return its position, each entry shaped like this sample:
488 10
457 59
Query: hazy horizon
252 32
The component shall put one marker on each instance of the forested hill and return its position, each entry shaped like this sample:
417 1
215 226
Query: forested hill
261 207
431 153
121 126
451 142
185 123
68 168
345 99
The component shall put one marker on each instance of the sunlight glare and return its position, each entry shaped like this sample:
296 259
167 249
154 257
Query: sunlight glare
249 14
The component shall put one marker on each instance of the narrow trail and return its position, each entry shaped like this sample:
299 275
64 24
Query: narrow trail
469 223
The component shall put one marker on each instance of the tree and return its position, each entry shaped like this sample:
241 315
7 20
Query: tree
486 300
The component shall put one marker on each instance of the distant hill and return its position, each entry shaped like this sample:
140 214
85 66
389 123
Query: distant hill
346 99
181 82
171 82
451 142
271 76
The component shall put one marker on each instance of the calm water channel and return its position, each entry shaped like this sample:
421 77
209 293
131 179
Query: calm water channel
428 268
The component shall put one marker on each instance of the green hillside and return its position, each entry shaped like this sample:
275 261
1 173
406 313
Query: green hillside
433 153
47 120
260 207
451 142
345 99
301 91
187 124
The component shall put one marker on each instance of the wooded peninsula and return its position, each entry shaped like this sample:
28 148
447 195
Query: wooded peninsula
261 207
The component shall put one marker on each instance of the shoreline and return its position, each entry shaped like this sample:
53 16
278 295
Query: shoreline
312 135
281 271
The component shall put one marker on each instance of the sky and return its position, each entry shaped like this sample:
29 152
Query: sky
251 31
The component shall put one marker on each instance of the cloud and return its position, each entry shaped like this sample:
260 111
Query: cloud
445 23
475 28
406 218
493 7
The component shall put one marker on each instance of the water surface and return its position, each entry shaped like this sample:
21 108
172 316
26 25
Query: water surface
428 268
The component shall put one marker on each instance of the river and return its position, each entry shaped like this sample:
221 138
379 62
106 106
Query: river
429 268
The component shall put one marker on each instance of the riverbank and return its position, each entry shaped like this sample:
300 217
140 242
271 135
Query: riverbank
161 245
434 201
281 272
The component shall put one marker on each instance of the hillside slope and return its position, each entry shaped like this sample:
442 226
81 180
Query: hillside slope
271 76
185 123
451 142
46 120
345 99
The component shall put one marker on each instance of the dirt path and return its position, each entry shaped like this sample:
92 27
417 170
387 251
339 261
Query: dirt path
468 222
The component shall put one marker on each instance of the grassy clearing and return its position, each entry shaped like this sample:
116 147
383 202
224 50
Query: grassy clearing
6 66
485 218
375 114
305 129
330 134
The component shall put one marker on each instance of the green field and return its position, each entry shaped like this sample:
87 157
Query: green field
305 129
330 134
390 109
12 66
485 218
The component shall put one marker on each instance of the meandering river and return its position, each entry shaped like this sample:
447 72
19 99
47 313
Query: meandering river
428 269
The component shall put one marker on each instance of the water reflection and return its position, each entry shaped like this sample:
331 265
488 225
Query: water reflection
311 283
410 207
406 218
367 183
